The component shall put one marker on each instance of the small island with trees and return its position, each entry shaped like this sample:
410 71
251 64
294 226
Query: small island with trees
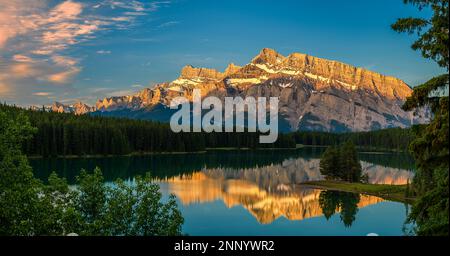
341 163
342 171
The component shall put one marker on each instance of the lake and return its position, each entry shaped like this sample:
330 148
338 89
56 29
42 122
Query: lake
258 192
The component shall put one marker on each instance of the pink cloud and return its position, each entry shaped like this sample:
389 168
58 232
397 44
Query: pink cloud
23 70
50 29
64 61
42 94
65 26
67 10
34 37
11 21
69 69
64 76
22 58
4 88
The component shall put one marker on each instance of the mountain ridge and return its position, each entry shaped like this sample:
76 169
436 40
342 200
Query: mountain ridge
315 93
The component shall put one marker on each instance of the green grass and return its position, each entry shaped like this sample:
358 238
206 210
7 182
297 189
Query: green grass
388 192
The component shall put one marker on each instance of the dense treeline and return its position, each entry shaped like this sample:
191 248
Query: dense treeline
60 134
395 139
29 207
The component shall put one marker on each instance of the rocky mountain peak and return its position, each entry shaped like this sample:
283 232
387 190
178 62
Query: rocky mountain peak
329 73
268 56
231 69
59 107
79 104
190 72
57 104
79 108
314 93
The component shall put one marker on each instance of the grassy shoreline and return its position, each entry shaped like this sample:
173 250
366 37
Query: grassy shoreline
388 192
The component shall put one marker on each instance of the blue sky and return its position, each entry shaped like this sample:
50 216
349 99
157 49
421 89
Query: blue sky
84 50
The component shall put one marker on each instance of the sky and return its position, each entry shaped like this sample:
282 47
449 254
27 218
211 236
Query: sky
71 50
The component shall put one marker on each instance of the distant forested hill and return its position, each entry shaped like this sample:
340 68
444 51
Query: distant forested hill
62 134
394 139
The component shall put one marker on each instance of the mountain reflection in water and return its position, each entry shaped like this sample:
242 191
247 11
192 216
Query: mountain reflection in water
262 183
271 192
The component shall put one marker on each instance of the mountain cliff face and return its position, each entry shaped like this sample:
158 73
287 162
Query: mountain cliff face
78 108
315 94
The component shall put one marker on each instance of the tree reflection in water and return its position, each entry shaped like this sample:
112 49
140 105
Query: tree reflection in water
346 203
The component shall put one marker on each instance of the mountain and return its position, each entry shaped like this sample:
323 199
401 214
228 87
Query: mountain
315 94
78 108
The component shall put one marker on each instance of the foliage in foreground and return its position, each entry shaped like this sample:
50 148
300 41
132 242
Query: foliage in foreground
430 147
29 207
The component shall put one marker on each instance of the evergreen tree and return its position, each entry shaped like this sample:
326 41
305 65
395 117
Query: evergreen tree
341 163
431 147
329 163
61 134
350 167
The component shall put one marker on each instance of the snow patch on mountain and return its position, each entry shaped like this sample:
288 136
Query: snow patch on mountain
238 81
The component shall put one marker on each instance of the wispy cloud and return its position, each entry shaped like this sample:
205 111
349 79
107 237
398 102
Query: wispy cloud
118 93
22 58
43 94
63 76
155 5
12 22
103 52
168 24
145 40
35 37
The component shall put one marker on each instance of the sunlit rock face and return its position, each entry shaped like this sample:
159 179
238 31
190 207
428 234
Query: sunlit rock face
78 108
60 108
271 192
314 93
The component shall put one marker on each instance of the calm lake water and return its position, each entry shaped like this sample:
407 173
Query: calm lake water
257 192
